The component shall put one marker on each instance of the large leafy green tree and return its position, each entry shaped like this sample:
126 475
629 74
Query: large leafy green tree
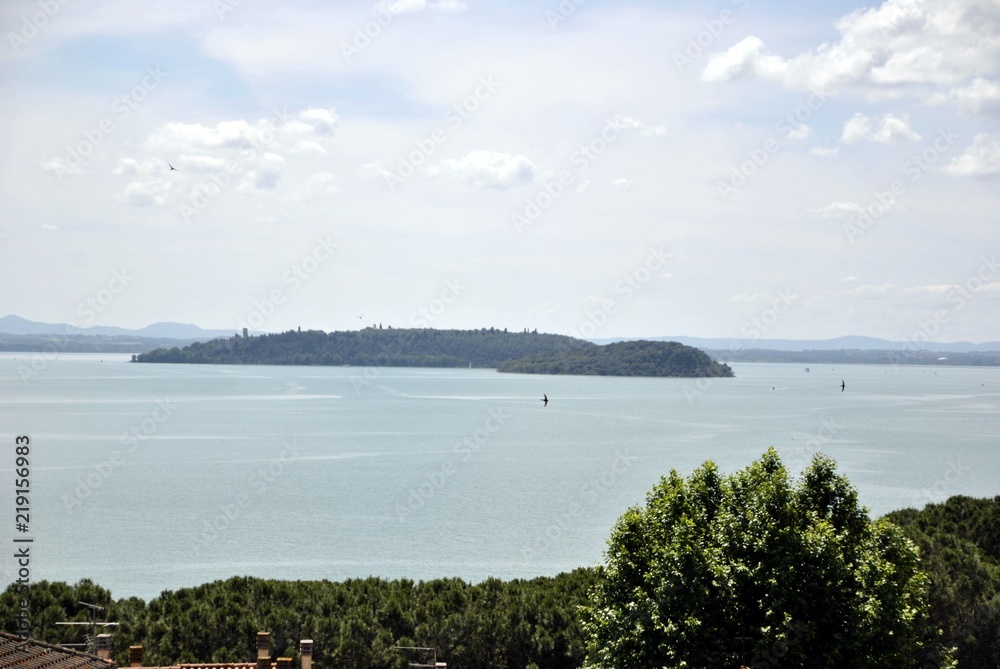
959 543
757 569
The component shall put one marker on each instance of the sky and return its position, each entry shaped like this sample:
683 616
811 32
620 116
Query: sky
739 168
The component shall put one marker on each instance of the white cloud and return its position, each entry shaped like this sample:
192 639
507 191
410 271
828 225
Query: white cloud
249 154
58 167
982 158
322 121
824 151
266 173
624 122
492 169
875 288
622 184
316 185
308 146
838 209
239 133
800 132
745 58
900 46
373 171
981 96
890 130
407 6
153 192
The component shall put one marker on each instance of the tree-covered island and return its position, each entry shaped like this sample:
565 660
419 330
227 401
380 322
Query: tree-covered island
523 352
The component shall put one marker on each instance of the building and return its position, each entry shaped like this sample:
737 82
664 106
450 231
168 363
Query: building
18 653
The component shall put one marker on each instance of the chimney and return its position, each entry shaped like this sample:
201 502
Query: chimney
103 646
135 656
263 646
284 663
306 653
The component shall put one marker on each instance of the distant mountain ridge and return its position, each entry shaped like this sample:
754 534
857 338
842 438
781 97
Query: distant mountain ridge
16 325
835 344
21 326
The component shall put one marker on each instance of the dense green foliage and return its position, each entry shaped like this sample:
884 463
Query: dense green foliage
390 347
710 559
354 624
627 358
509 352
959 544
797 574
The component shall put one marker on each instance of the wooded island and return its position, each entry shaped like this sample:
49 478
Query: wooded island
521 352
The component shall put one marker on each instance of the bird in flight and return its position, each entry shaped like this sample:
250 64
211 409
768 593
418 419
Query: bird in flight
842 385
545 400
172 168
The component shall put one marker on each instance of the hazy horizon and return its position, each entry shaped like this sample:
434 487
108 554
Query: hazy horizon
596 169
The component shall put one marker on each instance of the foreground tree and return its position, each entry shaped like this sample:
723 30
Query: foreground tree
758 570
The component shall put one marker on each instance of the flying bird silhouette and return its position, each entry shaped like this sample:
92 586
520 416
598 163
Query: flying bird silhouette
545 400
172 168
842 385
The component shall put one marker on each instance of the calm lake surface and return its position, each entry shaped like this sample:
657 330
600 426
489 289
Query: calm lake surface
153 477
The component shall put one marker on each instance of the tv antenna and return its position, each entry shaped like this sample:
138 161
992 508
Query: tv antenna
427 650
91 644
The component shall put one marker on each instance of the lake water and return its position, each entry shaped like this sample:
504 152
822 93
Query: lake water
153 477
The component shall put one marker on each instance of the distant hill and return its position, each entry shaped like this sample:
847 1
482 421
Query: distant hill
835 344
16 325
491 348
68 343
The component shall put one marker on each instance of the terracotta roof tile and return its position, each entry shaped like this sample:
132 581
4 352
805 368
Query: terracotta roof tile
18 653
